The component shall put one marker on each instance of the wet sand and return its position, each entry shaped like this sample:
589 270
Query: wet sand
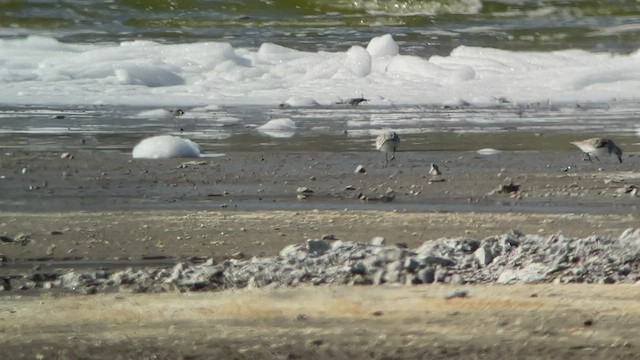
105 206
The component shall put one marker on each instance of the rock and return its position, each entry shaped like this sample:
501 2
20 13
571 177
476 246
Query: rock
388 254
359 268
304 190
484 255
6 239
437 260
318 247
532 273
630 236
457 294
377 241
393 272
457 279
360 170
441 275
411 264
507 187
426 275
66 155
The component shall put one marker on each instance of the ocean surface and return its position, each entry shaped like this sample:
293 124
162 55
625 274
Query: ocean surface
113 68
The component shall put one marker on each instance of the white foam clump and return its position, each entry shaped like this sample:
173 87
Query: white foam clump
300 101
383 46
489 151
42 71
166 146
358 61
279 128
156 114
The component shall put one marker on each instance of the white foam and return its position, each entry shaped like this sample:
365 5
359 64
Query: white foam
43 71
165 146
278 128
156 114
489 151
300 101
383 46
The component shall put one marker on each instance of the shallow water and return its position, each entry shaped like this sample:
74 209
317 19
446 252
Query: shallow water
421 27
332 129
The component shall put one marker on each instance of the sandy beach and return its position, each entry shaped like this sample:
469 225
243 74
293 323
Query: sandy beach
73 213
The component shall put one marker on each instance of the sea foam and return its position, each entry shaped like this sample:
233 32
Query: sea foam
40 70
165 146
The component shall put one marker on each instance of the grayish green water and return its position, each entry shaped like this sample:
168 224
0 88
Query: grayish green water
421 27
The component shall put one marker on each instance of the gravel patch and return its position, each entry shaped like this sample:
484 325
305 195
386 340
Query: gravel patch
503 259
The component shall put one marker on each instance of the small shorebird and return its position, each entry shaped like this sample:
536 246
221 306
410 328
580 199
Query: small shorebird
599 147
387 142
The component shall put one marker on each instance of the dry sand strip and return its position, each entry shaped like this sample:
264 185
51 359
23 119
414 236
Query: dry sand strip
219 234
491 322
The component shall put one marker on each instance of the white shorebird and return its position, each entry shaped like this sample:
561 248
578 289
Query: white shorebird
599 147
388 142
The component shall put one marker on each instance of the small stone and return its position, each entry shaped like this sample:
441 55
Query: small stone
377 241
304 190
349 187
457 294
318 247
426 275
360 170
66 155
329 237
6 239
457 279
484 255
507 187
377 313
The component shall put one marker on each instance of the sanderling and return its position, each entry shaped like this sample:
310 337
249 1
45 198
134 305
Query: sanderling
388 143
599 147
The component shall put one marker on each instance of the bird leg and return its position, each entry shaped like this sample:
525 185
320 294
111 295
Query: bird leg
588 157
394 155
